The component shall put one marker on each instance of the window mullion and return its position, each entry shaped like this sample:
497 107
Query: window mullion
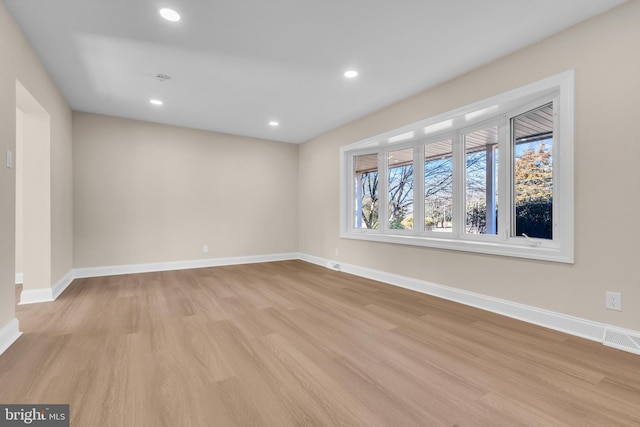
383 193
505 178
490 180
418 188
459 203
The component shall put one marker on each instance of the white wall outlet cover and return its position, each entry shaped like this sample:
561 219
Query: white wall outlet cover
614 301
9 159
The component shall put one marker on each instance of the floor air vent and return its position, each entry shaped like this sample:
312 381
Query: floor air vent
622 341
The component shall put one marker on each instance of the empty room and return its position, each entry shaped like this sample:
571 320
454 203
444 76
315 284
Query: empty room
361 213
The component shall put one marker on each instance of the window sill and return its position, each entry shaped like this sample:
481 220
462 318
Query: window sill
544 252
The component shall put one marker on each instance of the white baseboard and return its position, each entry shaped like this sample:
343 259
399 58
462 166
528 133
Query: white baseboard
9 334
576 326
62 284
19 278
557 321
33 296
80 273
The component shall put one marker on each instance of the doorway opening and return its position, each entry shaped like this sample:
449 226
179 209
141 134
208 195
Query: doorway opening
33 198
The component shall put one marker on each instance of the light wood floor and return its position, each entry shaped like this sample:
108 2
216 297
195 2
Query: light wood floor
290 343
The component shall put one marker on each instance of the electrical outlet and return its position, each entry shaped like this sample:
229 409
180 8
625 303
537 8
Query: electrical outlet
337 252
205 248
614 301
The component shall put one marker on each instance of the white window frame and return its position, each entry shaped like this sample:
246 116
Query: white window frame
498 109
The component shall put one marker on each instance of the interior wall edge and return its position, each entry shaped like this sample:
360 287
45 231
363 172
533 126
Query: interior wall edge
9 334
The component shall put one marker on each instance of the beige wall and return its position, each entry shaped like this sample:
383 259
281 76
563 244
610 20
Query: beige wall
146 193
19 191
19 63
604 53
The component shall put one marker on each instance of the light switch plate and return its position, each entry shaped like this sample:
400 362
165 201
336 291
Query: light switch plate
9 159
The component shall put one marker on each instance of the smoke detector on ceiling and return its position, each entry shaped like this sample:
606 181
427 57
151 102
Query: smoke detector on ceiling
161 78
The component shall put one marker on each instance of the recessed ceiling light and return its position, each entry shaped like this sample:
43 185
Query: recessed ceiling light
273 123
351 74
170 15
155 102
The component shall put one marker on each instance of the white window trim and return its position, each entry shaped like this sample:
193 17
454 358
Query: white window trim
560 89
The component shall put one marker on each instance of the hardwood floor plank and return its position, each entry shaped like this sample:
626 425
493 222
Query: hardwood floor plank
338 406
290 343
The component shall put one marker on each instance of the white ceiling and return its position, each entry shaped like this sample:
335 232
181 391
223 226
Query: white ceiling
237 64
